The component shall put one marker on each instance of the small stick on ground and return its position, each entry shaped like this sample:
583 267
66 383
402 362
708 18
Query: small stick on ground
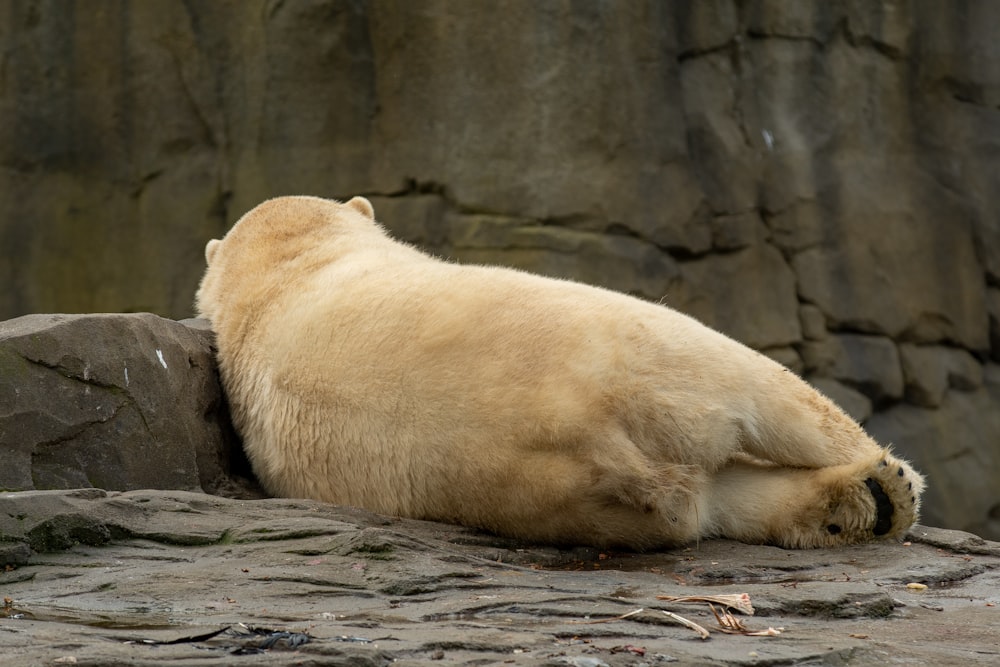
677 617
608 620
738 601
734 626
687 623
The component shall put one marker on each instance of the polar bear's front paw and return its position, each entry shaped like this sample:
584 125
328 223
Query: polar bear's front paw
879 499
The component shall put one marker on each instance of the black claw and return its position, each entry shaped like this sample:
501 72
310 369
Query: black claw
909 485
833 529
883 507
883 463
913 500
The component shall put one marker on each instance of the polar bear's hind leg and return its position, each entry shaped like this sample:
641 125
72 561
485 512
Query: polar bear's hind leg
876 497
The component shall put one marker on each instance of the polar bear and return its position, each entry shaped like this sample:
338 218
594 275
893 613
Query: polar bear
364 372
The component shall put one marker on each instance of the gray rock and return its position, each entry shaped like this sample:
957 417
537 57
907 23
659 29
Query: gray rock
854 403
419 219
114 402
930 370
956 446
897 299
707 26
748 295
869 364
993 307
804 115
623 263
798 225
135 577
733 232
926 375
802 20
622 154
723 158
813 322
787 357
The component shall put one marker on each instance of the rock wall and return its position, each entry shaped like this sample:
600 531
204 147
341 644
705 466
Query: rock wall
815 178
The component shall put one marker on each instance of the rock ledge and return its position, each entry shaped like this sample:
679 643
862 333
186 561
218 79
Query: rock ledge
94 577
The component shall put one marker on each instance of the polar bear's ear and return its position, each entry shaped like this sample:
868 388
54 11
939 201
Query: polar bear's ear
211 248
362 206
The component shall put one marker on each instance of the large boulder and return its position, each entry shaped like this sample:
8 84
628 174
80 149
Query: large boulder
115 402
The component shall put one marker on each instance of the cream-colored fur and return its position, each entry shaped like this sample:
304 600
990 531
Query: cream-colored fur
364 372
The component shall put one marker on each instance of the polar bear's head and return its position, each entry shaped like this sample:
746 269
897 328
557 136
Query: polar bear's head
272 244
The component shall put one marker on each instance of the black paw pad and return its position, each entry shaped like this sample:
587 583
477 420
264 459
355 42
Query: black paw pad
833 529
883 507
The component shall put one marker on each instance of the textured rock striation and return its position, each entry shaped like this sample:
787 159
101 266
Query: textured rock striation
815 178
96 578
114 402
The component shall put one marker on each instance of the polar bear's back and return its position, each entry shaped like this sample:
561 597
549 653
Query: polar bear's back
428 367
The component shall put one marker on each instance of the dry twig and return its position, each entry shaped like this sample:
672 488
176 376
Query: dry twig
677 617
687 623
738 601
734 626
608 620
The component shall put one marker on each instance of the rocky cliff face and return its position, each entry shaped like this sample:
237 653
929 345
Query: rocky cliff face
815 178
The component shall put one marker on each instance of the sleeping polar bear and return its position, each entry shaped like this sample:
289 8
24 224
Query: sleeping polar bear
364 372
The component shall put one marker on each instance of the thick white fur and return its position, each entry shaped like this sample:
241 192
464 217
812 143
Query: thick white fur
364 372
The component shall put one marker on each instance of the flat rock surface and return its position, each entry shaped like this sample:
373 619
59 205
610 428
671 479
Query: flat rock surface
96 578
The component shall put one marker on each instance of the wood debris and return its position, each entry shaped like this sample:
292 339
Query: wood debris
734 626
608 620
687 623
677 617
738 601
728 623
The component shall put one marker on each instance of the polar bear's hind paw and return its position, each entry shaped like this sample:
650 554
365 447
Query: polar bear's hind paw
863 501
892 489
896 489
884 508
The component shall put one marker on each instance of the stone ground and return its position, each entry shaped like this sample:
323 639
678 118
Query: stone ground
96 578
